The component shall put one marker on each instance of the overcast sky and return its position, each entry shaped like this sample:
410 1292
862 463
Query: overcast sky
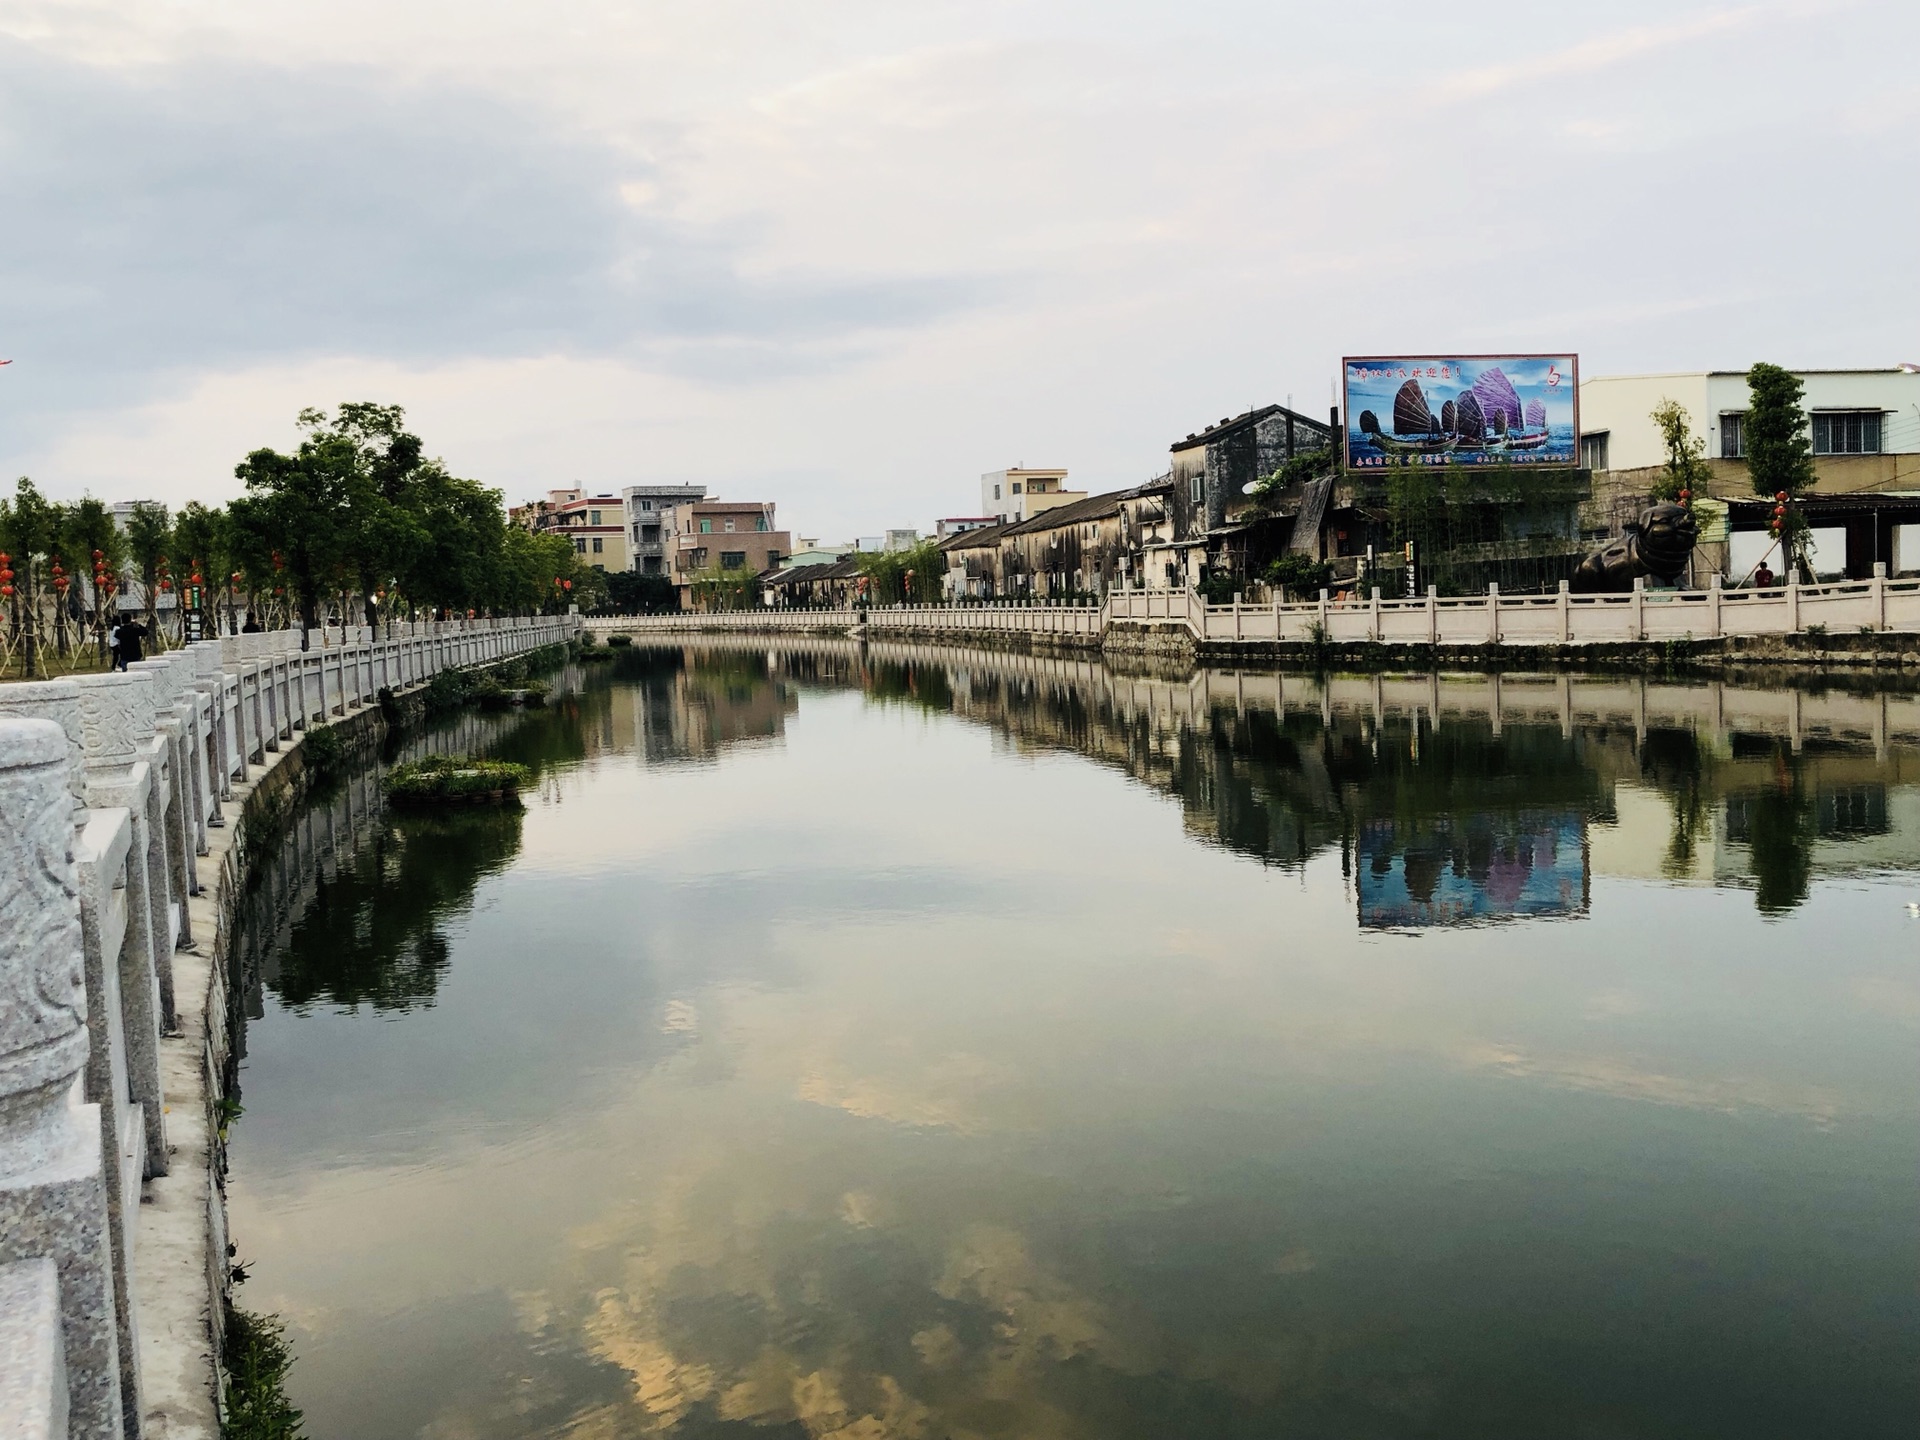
846 255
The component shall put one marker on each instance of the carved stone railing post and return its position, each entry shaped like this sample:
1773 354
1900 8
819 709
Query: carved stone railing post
102 842
53 1201
116 718
33 1352
210 682
179 820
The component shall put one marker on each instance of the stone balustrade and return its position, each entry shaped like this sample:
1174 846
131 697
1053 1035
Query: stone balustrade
110 786
1878 605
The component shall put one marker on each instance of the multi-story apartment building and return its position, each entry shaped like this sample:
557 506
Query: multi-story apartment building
705 537
645 509
1018 493
592 522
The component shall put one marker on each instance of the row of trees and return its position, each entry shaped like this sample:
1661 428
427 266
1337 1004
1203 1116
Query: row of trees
356 521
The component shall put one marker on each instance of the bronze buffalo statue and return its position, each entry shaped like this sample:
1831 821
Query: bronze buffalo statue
1656 545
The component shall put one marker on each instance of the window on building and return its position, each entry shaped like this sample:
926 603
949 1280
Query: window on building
728 525
996 492
733 559
650 565
579 544
1733 435
1194 483
1846 432
593 517
773 558
1016 487
1593 451
706 526
650 534
760 523
598 545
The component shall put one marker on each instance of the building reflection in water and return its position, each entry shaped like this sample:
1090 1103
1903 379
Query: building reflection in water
1453 800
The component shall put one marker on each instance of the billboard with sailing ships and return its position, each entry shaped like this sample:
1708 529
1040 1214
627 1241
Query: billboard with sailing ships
1462 410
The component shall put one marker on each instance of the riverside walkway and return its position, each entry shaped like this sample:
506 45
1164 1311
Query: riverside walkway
124 816
1875 606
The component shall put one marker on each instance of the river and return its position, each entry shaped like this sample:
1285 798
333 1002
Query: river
939 1044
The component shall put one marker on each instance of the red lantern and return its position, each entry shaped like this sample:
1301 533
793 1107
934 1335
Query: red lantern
6 590
234 579
99 555
566 584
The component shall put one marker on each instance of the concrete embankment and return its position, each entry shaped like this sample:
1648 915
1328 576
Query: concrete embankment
1889 658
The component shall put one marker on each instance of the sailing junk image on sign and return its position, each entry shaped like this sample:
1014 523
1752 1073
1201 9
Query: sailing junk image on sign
1466 410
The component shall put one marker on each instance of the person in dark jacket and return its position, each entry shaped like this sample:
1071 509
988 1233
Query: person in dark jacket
126 643
252 627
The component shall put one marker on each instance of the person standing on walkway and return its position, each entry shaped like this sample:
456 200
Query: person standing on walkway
126 643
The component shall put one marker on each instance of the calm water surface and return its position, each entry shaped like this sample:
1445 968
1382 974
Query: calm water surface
870 1044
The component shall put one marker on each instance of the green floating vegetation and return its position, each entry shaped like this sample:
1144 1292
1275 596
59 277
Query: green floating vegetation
257 1359
491 694
455 779
619 642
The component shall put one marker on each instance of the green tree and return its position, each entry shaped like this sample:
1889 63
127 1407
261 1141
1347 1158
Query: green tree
462 561
915 576
298 506
1686 470
29 533
1779 453
200 535
632 593
149 534
96 548
385 530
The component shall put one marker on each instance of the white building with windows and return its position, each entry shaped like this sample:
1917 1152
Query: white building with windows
1864 427
1018 492
1853 413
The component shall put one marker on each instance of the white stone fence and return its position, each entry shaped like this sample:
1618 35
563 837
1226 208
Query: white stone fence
109 785
1850 607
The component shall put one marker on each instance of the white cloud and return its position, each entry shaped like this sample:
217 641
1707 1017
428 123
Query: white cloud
850 256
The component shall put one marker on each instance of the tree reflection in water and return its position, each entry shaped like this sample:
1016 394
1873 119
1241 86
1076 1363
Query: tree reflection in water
373 932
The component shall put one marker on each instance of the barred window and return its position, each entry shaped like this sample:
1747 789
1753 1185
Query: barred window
1593 450
1733 435
1846 432
733 559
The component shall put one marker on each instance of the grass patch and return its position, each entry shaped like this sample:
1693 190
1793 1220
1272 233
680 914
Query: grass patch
257 1359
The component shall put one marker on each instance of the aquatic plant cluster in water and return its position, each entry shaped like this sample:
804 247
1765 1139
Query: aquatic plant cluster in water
454 778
